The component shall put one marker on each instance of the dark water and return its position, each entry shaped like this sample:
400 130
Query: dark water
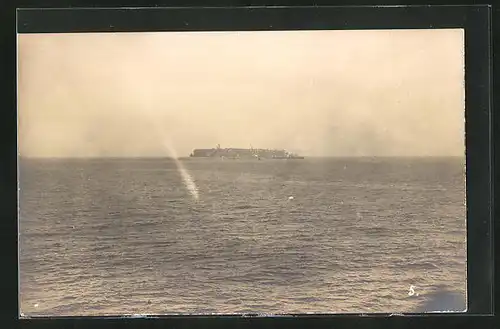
126 237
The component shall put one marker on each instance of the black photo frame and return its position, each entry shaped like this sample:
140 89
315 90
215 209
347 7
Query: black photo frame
474 19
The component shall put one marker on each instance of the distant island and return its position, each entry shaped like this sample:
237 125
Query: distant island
243 153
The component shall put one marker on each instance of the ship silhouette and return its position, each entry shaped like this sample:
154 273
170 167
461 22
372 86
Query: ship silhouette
244 153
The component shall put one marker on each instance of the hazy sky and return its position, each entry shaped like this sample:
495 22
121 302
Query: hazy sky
391 92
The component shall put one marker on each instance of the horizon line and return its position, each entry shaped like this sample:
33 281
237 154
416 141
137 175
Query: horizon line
187 156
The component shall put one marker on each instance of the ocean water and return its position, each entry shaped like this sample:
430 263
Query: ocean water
126 236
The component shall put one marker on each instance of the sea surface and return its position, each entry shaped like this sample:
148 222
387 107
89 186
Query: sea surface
319 235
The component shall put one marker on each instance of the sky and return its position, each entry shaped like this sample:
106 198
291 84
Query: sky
317 93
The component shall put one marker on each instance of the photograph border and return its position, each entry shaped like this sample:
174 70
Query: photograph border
475 20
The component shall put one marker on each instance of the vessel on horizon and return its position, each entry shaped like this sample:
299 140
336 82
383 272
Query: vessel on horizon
244 153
